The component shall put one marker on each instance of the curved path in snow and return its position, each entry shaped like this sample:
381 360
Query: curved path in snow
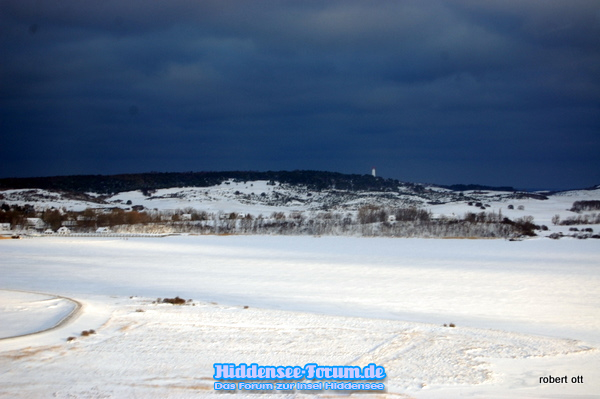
61 322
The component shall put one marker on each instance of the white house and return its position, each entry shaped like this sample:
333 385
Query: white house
63 230
185 216
48 232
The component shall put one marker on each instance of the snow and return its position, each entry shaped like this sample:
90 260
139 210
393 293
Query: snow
225 197
522 310
261 198
44 199
24 313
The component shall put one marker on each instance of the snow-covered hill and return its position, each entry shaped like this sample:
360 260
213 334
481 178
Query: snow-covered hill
230 196
256 197
262 197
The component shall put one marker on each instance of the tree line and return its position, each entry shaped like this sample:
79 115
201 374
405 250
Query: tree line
369 220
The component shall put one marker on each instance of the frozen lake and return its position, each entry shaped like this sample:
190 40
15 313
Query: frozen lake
522 310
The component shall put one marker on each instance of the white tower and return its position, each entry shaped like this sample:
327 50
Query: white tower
373 172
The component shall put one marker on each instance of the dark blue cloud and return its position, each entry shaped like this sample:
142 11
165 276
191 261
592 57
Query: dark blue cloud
500 92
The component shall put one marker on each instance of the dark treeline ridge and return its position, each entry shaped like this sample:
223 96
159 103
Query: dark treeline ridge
112 184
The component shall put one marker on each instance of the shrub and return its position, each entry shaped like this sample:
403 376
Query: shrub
411 214
525 226
593 218
371 214
579 206
174 301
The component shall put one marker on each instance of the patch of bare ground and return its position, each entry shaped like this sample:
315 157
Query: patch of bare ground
471 238
28 352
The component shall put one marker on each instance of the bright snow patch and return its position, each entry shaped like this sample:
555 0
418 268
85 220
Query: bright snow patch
25 313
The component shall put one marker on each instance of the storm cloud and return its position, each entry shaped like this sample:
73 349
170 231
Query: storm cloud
495 92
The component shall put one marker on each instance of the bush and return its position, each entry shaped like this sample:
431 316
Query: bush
592 218
174 301
525 226
579 206
372 214
412 214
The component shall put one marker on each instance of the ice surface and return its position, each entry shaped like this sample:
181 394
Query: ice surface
522 310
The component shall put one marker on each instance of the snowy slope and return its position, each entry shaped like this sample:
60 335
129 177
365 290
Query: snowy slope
261 198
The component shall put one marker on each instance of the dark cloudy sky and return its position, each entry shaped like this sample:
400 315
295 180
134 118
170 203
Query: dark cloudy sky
498 92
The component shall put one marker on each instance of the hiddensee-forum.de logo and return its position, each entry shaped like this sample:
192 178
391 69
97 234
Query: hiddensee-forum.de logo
343 378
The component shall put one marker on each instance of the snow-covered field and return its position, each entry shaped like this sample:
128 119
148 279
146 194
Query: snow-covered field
522 310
